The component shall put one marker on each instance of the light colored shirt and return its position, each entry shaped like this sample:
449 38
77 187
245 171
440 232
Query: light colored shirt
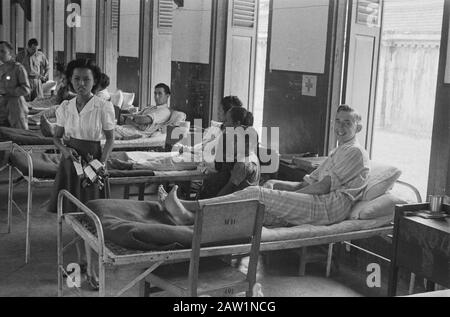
36 65
348 166
159 115
97 116
104 94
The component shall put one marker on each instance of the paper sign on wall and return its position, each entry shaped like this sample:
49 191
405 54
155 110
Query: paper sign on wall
309 85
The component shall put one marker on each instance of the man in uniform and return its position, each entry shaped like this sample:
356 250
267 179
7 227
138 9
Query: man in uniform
14 86
37 67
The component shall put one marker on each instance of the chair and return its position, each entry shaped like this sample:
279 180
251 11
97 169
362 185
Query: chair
48 87
128 99
215 225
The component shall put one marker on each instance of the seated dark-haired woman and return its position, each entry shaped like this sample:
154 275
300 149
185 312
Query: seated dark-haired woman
236 162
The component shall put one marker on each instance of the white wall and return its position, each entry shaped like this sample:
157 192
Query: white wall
191 32
59 26
85 35
129 28
34 28
19 27
4 28
299 35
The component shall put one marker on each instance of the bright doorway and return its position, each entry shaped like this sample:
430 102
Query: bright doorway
406 89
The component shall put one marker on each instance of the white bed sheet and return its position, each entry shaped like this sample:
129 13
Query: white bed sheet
158 140
310 231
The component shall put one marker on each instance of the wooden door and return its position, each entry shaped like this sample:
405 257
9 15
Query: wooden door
362 62
241 50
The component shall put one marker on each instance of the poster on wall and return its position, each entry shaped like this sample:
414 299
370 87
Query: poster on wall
299 35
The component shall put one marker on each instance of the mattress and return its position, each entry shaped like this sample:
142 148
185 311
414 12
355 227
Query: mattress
45 166
310 231
131 225
156 141
25 137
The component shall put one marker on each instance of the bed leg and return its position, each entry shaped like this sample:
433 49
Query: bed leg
412 283
144 288
329 259
303 260
29 207
107 189
126 192
60 257
101 277
10 199
141 192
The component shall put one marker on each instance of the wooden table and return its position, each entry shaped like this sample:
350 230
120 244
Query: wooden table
421 246
289 171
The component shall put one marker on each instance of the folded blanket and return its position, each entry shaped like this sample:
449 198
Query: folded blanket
45 166
140 225
24 137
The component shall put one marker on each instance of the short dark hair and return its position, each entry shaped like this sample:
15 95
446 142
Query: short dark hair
240 114
85 64
165 87
60 67
103 82
230 102
8 45
346 108
32 42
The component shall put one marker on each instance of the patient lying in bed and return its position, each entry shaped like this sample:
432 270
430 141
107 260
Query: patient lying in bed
46 119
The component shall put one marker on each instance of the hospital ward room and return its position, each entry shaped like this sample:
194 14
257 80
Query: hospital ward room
242 149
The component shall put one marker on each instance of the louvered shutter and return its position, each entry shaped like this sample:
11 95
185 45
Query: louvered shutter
115 14
244 13
165 14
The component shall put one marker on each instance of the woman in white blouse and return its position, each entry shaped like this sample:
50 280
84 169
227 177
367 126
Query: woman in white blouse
84 122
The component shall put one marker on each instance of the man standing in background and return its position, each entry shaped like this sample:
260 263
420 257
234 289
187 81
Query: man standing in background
37 67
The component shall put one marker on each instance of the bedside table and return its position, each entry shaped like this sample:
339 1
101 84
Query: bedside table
422 246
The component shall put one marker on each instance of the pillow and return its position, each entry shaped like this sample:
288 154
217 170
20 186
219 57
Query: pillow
381 179
128 99
380 207
48 87
176 118
117 99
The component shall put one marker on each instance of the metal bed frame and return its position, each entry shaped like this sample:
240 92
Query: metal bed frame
111 256
33 182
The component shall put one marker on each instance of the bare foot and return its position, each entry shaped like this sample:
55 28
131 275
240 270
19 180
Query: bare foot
162 195
176 209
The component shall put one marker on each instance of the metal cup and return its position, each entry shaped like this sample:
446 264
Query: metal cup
436 202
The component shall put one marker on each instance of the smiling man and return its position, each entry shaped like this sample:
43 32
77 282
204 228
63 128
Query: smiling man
149 118
325 197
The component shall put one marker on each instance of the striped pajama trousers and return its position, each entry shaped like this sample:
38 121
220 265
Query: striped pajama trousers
283 208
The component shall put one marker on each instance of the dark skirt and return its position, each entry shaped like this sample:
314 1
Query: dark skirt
67 179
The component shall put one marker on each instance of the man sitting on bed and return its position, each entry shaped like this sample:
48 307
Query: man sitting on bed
149 118
324 198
